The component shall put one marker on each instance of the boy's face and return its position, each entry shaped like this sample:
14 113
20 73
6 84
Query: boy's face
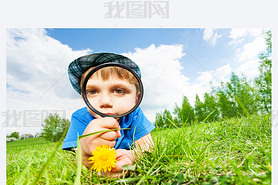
112 96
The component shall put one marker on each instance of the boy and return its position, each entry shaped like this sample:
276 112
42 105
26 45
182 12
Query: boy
85 121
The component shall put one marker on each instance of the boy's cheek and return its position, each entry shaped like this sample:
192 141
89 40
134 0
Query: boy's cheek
93 113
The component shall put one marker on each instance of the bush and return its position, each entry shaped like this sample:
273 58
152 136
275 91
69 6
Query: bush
54 127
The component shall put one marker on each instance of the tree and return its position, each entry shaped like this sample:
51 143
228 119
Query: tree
226 106
243 94
15 135
185 114
211 107
237 97
167 118
164 119
199 109
54 127
263 81
159 120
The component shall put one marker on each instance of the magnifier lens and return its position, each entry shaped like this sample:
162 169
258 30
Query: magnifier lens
112 90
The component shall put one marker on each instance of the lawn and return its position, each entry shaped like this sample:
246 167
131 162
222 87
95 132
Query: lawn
232 151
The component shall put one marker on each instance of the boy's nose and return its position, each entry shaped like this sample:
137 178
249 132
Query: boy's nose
105 101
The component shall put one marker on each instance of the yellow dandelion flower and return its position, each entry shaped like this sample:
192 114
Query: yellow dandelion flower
104 158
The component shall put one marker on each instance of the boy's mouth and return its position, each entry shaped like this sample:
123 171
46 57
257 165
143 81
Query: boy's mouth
109 113
118 119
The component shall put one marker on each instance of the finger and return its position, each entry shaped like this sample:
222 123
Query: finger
118 133
109 123
110 174
110 136
119 165
105 142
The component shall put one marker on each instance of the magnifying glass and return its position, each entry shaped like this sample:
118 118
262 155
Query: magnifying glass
112 90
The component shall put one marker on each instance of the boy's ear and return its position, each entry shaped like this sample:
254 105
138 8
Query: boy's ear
82 97
137 98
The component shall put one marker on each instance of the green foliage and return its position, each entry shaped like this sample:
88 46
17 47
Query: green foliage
199 109
15 135
237 97
231 151
185 113
263 81
268 40
207 109
164 119
211 107
54 127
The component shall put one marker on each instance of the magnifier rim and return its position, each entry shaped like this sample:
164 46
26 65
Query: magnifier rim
87 77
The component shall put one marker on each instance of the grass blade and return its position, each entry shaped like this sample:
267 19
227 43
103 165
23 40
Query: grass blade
58 146
79 163
21 178
148 173
208 116
172 123
100 132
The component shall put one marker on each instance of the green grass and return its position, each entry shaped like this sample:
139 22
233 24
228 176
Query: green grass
234 151
26 142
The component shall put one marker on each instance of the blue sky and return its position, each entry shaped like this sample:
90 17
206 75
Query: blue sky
202 55
124 40
174 63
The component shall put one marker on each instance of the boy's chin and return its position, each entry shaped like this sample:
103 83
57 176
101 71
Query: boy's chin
93 113
98 116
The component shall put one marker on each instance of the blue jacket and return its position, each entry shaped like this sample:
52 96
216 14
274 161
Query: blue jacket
139 124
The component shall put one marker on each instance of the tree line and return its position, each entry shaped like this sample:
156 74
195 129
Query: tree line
238 97
14 136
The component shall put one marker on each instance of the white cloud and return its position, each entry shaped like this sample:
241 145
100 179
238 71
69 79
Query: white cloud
211 36
163 80
37 62
214 77
251 50
248 56
237 35
37 73
249 68
209 79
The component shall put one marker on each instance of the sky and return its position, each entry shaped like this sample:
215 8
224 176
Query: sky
173 62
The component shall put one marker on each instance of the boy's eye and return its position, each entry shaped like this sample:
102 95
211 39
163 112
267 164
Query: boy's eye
119 91
91 92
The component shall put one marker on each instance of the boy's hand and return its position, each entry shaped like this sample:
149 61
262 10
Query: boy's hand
124 157
90 143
